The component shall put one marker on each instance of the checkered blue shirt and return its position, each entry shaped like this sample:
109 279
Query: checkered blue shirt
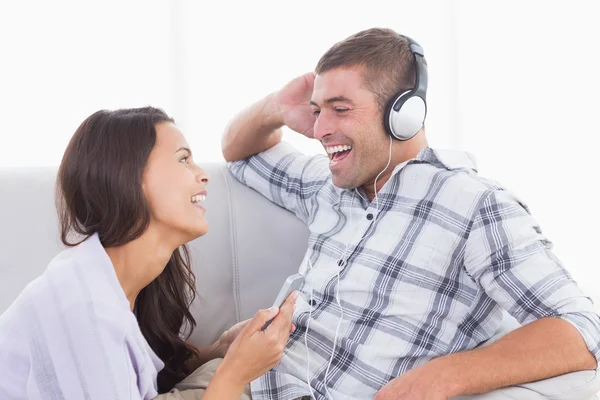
424 271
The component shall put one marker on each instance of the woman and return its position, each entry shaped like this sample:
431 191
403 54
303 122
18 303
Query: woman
104 320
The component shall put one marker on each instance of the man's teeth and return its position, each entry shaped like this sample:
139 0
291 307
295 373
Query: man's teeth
337 149
199 198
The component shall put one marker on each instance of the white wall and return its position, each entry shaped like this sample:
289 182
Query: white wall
528 90
233 58
61 61
515 82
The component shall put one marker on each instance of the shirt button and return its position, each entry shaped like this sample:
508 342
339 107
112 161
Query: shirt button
312 302
369 216
341 263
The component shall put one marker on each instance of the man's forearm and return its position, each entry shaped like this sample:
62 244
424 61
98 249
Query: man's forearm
253 130
542 349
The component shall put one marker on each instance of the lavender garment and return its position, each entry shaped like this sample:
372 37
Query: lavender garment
71 335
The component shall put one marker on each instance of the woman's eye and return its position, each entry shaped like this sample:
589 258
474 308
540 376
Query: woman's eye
184 159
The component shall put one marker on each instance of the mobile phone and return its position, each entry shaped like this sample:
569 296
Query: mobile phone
293 282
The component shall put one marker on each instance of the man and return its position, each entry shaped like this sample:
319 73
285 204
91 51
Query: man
412 256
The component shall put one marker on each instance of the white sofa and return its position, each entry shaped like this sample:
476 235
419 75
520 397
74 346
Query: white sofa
251 247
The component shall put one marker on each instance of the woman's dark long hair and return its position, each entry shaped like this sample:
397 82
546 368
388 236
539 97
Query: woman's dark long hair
99 189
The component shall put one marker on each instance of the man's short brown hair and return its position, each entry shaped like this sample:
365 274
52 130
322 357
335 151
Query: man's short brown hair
389 66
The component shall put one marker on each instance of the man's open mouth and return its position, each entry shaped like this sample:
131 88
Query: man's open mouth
337 153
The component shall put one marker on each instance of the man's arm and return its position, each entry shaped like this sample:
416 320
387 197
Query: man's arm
253 130
274 168
258 127
509 257
542 349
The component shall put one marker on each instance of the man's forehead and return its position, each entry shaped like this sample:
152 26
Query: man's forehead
337 85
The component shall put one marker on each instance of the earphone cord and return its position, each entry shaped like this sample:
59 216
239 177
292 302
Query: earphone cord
375 184
312 395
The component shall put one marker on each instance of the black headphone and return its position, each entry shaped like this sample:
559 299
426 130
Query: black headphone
405 112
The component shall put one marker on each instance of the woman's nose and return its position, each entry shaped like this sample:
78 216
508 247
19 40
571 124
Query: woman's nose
202 176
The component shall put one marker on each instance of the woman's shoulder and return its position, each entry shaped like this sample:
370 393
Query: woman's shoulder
79 281
69 306
46 290
88 273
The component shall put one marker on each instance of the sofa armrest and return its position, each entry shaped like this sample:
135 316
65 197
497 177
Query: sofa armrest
582 385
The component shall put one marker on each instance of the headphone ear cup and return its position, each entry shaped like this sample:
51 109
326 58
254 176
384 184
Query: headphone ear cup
405 116
394 102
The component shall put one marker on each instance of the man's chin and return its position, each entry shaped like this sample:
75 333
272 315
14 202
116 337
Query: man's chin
341 183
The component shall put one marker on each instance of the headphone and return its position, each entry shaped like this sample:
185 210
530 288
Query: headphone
405 112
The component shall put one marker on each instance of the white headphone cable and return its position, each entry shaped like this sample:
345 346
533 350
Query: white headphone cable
337 295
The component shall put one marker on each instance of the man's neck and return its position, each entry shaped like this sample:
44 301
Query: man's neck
401 152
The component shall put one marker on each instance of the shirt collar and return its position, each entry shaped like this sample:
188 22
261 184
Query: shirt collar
443 158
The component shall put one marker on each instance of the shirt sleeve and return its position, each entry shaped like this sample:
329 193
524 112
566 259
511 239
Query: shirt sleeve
507 254
285 176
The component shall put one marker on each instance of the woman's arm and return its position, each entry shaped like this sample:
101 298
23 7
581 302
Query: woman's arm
217 349
196 385
206 354
224 385
254 352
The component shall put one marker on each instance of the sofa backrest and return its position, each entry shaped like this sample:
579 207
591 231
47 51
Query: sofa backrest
240 264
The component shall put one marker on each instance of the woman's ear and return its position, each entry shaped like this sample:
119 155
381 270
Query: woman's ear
144 184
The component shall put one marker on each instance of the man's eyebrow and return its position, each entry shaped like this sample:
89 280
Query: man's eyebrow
335 99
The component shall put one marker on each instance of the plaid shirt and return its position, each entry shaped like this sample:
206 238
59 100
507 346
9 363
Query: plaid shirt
424 271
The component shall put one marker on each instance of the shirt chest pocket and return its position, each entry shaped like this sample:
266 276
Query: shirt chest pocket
420 248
